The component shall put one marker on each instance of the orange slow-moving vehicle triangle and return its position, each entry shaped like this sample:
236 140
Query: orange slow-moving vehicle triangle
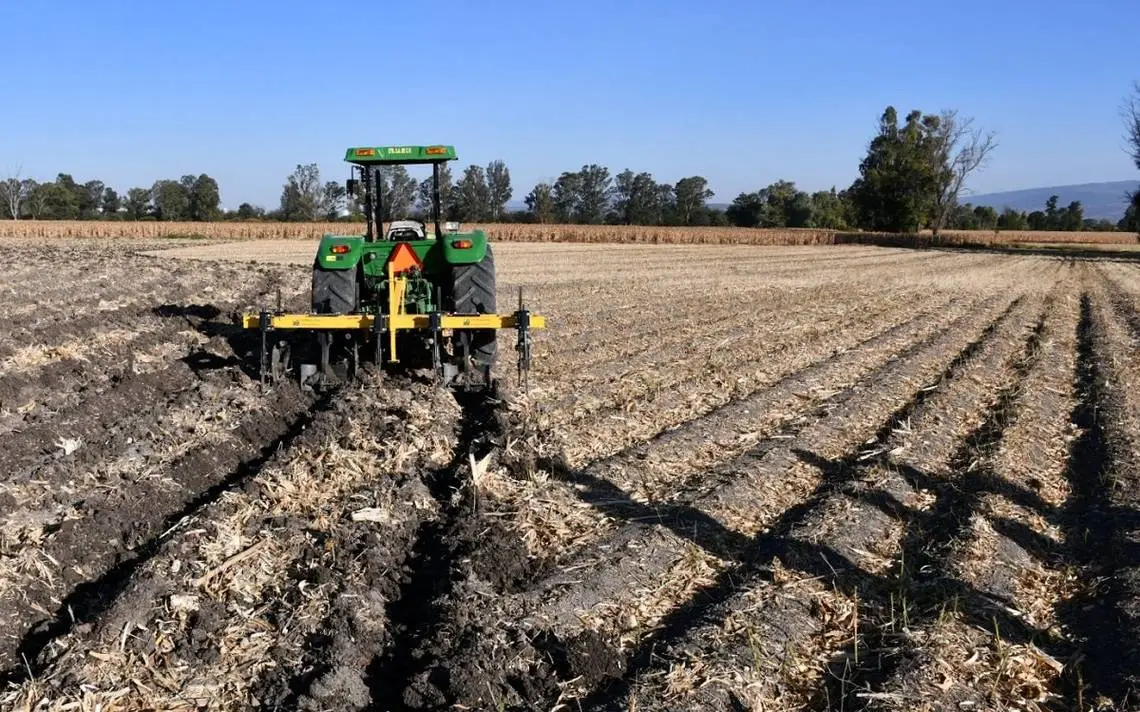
404 258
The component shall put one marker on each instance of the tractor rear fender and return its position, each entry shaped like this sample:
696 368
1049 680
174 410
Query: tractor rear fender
464 248
340 251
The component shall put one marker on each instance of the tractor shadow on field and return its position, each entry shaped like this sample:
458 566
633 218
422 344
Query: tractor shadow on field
927 583
752 561
243 344
1095 538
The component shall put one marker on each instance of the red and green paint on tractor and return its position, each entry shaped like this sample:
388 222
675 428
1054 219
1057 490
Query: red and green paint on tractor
416 293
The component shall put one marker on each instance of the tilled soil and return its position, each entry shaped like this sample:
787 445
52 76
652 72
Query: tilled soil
743 478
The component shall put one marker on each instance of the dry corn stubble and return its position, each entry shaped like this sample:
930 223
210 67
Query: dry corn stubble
665 466
765 625
241 558
519 232
645 547
234 561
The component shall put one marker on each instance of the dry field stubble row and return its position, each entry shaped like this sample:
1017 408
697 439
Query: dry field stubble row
750 478
522 232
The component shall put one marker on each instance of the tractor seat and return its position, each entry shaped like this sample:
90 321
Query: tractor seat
404 234
405 230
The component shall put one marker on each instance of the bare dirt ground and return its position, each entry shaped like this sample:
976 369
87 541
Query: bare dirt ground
744 478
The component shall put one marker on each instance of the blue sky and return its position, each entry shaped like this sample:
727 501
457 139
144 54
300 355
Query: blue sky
743 93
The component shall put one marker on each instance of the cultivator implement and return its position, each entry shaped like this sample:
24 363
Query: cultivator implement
333 347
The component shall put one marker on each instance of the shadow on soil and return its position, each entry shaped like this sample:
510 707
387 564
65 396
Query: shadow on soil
753 556
1093 525
406 675
930 534
244 344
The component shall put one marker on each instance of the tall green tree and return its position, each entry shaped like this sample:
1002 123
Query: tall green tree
89 198
246 211
472 195
830 210
595 192
1131 220
498 188
664 206
986 217
746 210
1072 218
397 192
60 199
1011 219
638 199
137 203
567 195
780 204
334 199
691 196
171 200
899 177
446 198
205 198
1052 214
540 203
302 196
110 203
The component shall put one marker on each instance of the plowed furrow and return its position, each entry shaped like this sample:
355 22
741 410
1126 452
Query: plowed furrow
73 573
759 488
729 358
679 558
729 295
811 581
684 463
674 352
319 529
76 397
1103 515
1004 549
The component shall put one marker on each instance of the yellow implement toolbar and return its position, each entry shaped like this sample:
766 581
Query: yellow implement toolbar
399 321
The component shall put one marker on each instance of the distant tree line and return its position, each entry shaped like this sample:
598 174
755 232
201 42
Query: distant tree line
910 179
593 196
481 194
188 198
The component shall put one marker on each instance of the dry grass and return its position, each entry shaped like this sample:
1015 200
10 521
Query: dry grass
231 560
714 383
521 232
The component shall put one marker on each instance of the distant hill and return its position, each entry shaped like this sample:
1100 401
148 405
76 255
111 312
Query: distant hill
1100 200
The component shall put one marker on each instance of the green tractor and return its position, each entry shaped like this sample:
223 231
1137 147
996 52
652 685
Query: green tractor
408 294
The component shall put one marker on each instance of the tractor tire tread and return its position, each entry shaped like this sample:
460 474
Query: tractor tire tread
473 292
334 291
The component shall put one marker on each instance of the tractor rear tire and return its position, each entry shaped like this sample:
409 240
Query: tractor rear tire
473 292
334 291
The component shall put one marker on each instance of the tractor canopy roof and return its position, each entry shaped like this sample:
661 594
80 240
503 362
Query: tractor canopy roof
393 155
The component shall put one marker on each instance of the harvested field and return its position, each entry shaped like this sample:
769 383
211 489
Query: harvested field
744 478
525 232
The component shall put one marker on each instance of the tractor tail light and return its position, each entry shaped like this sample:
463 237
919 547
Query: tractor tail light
462 244
339 249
